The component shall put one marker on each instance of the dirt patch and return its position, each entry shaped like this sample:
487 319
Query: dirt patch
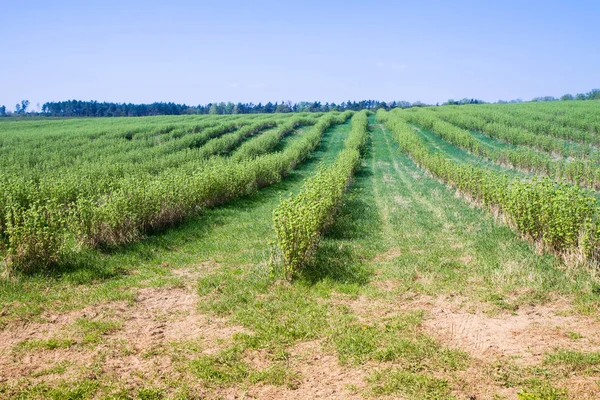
401 200
525 335
466 259
371 310
583 388
197 271
387 285
388 255
322 377
388 179
258 359
523 338
137 352
42 364
166 315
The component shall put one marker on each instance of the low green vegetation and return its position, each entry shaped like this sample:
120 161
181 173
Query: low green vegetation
561 217
48 229
384 284
300 221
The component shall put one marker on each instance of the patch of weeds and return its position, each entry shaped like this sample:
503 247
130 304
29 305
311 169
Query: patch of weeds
150 394
58 369
75 390
227 291
284 316
222 369
123 347
506 374
117 394
276 312
533 381
92 331
47 344
501 302
228 367
575 361
185 347
356 343
544 392
410 385
574 335
398 340
89 332
153 352
278 375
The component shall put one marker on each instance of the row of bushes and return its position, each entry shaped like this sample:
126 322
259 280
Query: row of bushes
581 172
300 220
577 122
563 218
46 232
268 141
517 136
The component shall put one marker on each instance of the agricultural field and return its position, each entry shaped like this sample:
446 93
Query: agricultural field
425 253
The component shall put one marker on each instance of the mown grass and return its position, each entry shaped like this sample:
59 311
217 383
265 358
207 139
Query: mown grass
575 361
410 385
82 332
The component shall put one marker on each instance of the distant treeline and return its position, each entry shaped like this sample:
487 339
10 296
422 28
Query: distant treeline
78 108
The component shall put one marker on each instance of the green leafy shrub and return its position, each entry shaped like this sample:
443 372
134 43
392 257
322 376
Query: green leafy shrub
299 221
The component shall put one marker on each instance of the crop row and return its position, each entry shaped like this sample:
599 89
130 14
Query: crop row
268 141
300 220
517 136
581 116
563 218
534 121
581 172
45 231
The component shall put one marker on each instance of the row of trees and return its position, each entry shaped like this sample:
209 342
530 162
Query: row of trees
20 109
593 94
466 100
78 108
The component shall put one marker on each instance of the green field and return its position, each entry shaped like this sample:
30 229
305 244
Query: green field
428 253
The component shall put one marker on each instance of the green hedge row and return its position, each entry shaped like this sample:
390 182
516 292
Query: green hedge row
268 141
300 220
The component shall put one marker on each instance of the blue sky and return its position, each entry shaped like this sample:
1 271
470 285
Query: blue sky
197 52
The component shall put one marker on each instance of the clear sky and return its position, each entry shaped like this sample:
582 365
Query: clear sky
197 52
